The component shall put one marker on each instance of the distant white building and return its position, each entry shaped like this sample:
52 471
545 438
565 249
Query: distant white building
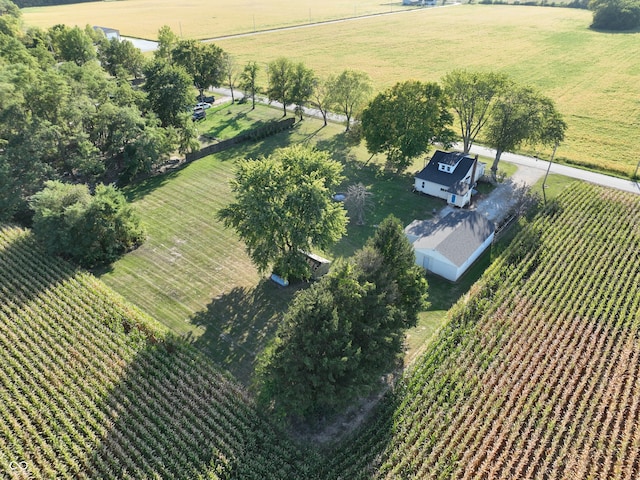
109 32
450 176
449 246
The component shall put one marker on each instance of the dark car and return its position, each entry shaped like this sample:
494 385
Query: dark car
204 99
198 115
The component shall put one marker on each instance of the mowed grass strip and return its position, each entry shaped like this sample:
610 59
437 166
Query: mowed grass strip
200 18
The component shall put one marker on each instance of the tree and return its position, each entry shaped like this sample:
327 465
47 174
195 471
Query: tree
120 57
340 335
167 40
404 120
471 95
349 92
313 367
283 206
399 259
91 230
617 15
304 82
248 81
522 114
230 73
72 44
168 90
280 75
321 99
203 61
357 202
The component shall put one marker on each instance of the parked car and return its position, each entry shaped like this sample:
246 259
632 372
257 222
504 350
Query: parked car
204 98
198 114
203 105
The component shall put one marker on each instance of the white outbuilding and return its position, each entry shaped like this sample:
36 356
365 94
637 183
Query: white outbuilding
449 246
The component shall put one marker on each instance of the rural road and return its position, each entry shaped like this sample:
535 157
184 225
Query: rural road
530 169
149 46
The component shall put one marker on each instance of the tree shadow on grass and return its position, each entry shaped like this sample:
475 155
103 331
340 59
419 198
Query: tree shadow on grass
240 323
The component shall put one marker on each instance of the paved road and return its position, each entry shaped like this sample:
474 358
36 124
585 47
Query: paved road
542 165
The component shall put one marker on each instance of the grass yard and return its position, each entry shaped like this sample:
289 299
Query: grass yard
194 275
200 18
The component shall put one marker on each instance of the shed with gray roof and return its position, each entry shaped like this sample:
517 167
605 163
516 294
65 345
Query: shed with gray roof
449 246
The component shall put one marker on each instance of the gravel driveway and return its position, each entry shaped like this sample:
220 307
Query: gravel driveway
496 205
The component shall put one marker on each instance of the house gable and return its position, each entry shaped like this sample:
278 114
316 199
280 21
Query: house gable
448 176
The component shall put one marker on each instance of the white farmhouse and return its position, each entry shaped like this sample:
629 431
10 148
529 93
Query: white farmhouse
449 246
450 176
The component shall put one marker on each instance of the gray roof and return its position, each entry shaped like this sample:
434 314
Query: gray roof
456 236
432 174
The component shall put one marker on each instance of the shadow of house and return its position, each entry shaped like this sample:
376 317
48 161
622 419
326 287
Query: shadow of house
449 246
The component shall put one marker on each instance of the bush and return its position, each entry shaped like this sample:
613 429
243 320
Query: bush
615 15
88 229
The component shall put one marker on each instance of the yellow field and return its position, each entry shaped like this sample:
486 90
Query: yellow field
202 18
592 76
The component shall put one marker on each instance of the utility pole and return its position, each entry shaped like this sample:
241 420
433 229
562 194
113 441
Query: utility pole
544 182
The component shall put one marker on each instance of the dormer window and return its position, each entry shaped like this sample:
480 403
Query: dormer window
443 167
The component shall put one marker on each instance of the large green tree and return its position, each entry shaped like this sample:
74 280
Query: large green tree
205 62
522 115
471 95
349 93
280 82
339 336
283 207
72 44
313 367
618 15
89 229
120 58
168 90
404 120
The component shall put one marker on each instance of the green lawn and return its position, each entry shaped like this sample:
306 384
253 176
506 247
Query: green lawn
194 276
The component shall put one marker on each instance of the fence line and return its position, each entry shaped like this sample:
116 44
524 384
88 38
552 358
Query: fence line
255 134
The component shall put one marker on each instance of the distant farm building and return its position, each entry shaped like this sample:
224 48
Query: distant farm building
449 246
109 32
451 176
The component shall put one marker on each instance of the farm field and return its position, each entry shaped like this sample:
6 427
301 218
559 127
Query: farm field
538 370
200 18
537 374
592 76
92 388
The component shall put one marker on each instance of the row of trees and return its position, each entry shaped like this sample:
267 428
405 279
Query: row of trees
403 121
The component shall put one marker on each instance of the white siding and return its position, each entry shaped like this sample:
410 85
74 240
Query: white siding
430 188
